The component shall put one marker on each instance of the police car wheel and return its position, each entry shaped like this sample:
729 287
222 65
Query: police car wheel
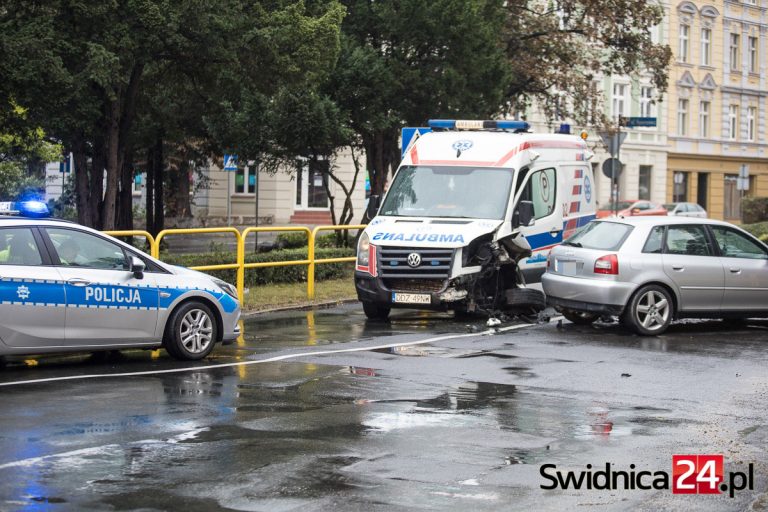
192 332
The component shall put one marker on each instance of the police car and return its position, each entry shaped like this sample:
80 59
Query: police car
65 287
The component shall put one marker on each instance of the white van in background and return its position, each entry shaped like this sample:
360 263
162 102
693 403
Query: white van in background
470 216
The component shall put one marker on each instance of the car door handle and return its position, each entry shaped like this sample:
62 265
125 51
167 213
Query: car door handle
735 271
79 282
554 231
678 268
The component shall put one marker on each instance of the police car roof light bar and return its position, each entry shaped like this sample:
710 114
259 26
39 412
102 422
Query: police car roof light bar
34 209
469 124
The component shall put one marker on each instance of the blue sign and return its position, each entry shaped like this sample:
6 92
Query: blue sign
639 122
409 136
230 162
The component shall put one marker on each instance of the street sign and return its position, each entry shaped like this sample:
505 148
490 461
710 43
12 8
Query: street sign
64 166
230 162
638 122
609 139
610 166
744 171
409 136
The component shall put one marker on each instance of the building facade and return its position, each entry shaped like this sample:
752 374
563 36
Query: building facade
716 104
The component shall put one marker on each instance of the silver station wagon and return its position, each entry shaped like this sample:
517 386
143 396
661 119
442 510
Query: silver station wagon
651 270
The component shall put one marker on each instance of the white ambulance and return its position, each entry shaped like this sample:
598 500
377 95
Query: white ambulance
470 216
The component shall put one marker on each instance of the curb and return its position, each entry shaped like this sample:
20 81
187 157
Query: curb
299 307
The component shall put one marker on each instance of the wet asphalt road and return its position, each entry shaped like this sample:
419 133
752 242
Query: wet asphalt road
459 423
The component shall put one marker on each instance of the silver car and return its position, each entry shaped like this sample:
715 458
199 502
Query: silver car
65 287
686 210
651 270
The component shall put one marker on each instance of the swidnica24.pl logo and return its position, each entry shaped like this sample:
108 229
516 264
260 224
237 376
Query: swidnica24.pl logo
691 474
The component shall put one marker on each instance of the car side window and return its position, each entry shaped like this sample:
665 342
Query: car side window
18 247
540 190
79 249
687 240
735 245
655 240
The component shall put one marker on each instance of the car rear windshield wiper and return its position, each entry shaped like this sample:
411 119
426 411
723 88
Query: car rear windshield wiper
574 244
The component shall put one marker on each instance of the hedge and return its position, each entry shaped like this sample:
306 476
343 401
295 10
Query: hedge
297 240
269 275
754 209
760 229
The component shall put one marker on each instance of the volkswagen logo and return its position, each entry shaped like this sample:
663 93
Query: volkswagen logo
414 260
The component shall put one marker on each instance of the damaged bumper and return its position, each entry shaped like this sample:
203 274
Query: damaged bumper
434 294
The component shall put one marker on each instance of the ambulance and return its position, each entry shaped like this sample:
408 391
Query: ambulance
469 218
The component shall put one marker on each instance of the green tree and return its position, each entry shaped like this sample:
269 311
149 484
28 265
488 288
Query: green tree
81 68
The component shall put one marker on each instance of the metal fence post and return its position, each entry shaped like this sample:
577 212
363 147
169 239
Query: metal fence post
311 268
240 268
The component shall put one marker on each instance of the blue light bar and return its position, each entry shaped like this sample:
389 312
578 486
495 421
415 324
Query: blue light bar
468 124
35 209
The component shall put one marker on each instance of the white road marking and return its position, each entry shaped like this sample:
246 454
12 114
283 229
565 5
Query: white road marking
275 358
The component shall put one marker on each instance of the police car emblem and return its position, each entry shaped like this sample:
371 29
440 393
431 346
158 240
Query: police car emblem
23 292
462 145
414 260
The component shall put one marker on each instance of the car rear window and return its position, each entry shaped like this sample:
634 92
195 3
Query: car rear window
602 235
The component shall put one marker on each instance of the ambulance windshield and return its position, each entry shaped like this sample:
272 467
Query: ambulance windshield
461 192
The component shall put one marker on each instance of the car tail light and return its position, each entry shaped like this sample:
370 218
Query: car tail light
608 264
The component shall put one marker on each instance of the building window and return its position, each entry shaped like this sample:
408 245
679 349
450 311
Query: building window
646 102
644 182
683 43
734 52
682 117
733 122
706 47
753 55
680 187
704 119
620 99
245 180
751 120
137 180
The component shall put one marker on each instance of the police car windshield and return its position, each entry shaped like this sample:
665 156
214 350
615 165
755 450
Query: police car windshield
459 192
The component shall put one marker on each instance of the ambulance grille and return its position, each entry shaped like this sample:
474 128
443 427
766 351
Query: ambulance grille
415 285
435 263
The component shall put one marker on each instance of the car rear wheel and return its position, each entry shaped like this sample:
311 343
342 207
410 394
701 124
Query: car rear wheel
375 312
191 332
650 311
580 317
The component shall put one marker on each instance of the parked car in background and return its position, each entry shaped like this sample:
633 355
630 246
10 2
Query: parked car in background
634 208
651 270
686 210
606 209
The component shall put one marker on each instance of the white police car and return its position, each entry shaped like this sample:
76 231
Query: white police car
65 287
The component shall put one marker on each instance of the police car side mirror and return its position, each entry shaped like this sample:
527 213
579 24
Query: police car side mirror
523 215
137 267
373 206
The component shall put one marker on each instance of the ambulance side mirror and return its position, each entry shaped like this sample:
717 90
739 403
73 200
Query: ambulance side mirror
373 206
523 215
137 267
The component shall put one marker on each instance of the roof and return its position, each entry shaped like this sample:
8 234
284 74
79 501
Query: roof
643 220
12 220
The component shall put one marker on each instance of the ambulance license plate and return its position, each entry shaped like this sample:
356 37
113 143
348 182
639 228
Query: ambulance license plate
411 298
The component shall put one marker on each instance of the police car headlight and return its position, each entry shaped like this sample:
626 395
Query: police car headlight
362 250
226 288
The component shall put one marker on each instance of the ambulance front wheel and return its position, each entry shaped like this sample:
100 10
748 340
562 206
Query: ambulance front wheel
191 332
374 311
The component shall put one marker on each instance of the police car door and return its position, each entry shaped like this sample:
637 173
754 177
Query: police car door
539 185
106 303
31 291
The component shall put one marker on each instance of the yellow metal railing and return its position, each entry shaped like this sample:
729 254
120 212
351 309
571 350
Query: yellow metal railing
240 265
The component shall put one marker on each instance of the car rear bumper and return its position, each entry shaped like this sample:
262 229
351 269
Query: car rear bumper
583 294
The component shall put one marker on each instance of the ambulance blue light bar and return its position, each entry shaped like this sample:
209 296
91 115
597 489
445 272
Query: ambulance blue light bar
470 124
35 209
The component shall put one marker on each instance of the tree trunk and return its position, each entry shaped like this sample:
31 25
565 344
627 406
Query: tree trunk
159 164
98 162
149 190
125 198
82 189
